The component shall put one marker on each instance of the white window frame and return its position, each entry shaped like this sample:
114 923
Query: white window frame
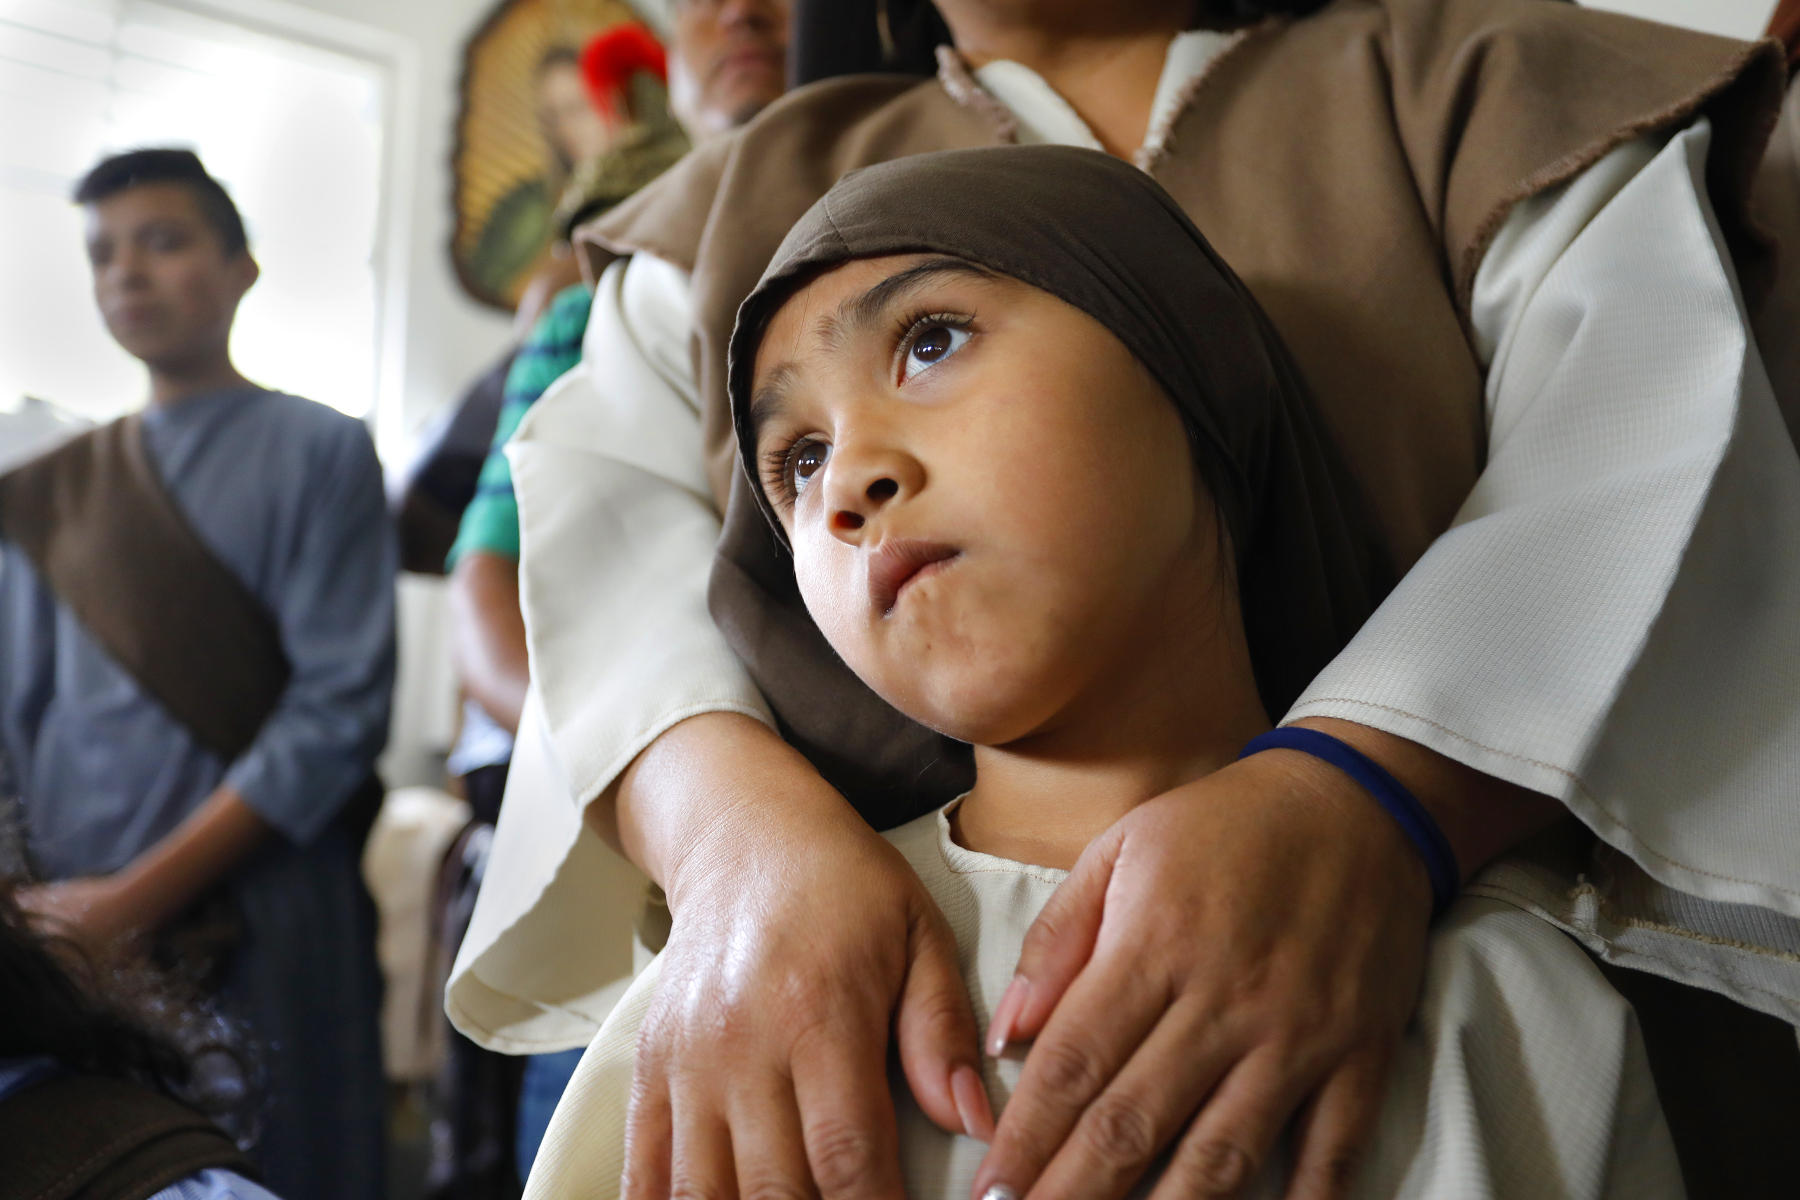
396 61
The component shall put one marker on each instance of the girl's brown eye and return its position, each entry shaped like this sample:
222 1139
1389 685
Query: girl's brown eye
809 460
932 345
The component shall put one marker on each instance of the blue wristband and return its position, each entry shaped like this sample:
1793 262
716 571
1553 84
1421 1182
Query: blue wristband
1417 824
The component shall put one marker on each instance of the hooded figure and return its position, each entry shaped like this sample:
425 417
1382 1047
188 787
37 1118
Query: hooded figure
1079 228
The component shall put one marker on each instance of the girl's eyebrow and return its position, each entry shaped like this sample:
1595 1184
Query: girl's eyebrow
770 399
856 314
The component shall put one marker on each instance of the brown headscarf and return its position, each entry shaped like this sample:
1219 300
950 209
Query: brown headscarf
1102 236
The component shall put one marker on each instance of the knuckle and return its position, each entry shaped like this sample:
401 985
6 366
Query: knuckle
1245 990
940 1017
1068 1068
1217 1166
658 1033
685 1186
803 993
771 1187
814 1035
1307 1031
648 1085
1120 1132
633 1185
842 1156
1044 933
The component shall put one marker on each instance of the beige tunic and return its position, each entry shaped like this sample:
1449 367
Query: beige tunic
1522 1076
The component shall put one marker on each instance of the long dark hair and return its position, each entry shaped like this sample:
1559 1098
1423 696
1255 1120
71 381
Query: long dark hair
118 1019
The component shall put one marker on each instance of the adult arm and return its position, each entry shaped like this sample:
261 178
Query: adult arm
487 635
103 911
618 528
1609 580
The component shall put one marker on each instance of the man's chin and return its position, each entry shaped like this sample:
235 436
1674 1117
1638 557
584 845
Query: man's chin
145 347
745 112
746 91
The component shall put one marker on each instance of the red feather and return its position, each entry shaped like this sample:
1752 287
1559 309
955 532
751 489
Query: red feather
612 57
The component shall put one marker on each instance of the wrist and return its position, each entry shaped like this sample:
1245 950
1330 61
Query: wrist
139 894
717 790
194 856
1349 823
1379 789
1481 817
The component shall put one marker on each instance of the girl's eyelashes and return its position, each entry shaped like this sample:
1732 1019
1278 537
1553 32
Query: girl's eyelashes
789 465
922 340
927 339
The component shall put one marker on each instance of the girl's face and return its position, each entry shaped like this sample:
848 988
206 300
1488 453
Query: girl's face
991 503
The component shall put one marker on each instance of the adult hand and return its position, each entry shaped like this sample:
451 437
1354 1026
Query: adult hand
1239 951
95 911
762 1065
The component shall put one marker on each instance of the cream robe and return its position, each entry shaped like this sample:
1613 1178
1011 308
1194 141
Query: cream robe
1537 1083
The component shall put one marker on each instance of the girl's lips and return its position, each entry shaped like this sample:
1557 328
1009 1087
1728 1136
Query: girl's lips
896 563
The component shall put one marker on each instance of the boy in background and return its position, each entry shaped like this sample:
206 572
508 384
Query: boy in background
196 664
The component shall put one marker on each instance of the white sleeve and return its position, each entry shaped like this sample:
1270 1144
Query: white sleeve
1614 617
617 530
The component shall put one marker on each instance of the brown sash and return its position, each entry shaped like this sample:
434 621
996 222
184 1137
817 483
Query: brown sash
94 518
85 1137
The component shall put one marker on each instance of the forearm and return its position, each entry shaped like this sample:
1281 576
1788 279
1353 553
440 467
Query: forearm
719 778
487 640
174 871
1482 817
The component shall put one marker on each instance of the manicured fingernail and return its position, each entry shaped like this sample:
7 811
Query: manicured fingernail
999 1192
972 1104
1006 1015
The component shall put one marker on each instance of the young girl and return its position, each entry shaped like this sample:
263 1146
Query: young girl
1053 486
111 1080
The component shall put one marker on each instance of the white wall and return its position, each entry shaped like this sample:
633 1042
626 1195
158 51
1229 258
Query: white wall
444 338
1733 18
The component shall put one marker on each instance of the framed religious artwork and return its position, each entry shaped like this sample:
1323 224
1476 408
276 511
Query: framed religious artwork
526 123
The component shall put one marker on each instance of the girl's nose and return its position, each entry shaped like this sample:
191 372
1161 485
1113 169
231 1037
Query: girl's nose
862 483
878 492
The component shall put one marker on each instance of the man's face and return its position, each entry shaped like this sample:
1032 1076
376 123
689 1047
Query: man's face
727 63
165 286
